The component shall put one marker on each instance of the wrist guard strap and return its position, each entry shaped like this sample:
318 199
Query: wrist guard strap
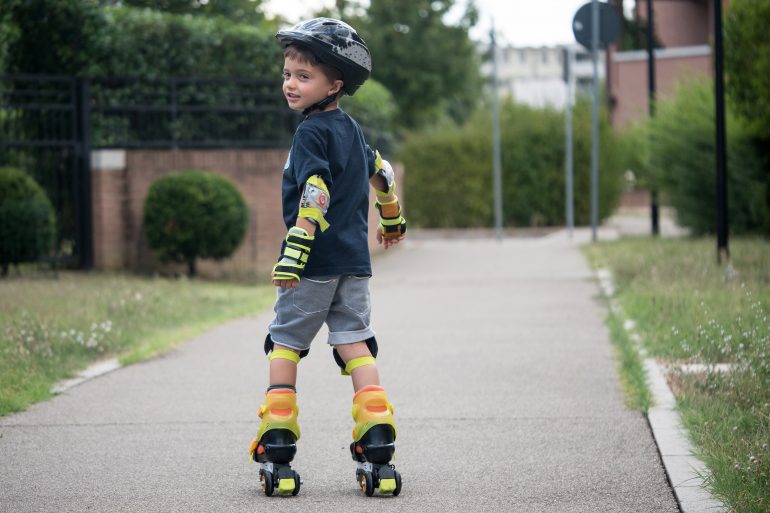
295 254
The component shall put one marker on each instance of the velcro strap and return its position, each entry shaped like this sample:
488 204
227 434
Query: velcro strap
286 271
314 214
283 354
356 363
389 210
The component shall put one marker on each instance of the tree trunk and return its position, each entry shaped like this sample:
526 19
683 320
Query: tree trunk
191 269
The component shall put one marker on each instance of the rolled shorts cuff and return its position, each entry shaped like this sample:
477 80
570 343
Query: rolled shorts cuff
340 338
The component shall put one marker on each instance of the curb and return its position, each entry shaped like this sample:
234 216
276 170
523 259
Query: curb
683 469
92 371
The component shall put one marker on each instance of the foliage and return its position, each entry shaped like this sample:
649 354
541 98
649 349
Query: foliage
747 62
430 66
194 214
54 36
52 328
78 37
449 170
27 221
374 109
682 155
239 11
153 44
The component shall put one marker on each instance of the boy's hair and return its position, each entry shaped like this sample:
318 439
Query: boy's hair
297 52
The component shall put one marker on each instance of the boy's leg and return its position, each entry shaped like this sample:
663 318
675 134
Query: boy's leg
363 375
283 371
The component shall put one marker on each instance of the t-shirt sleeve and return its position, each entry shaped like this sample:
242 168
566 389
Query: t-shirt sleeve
310 156
370 157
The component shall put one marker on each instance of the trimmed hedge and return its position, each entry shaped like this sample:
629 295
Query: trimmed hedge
449 170
152 44
194 214
682 154
27 221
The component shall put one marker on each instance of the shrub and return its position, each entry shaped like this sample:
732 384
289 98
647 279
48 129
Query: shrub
449 170
27 220
682 154
374 109
194 214
747 62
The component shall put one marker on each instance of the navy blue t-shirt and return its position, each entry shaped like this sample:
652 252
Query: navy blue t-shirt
331 144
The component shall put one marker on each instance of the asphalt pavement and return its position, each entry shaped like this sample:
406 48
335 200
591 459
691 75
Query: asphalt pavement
494 354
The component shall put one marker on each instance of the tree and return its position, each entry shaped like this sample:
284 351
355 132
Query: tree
429 65
240 11
54 36
747 62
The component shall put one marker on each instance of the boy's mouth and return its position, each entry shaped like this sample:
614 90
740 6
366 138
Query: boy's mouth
292 97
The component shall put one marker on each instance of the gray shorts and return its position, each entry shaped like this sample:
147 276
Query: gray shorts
342 302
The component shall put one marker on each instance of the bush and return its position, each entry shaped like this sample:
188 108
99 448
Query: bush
27 221
747 62
152 44
374 109
194 214
449 170
682 153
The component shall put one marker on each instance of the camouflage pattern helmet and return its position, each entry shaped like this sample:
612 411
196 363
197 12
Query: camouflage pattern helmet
336 44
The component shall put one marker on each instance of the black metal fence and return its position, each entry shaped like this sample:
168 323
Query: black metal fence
50 124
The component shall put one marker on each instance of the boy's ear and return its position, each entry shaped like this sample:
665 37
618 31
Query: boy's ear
337 86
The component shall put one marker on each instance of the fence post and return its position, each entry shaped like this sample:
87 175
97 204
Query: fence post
83 196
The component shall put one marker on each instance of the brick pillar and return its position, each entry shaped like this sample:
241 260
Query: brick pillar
108 182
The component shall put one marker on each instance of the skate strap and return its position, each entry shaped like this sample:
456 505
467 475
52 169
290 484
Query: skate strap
283 354
356 363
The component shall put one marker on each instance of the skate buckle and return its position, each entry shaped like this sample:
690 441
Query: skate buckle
268 466
365 466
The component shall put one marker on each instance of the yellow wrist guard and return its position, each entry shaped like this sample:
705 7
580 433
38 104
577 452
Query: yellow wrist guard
392 223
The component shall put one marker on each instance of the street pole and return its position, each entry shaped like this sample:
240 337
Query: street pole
496 160
723 252
568 151
654 208
595 120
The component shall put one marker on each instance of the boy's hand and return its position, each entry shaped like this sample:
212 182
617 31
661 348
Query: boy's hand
387 242
285 284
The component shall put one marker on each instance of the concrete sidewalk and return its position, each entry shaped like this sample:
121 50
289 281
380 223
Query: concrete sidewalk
494 354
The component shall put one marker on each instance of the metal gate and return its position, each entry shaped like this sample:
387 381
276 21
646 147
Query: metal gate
42 133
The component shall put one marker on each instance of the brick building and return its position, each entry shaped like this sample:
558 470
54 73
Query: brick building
685 30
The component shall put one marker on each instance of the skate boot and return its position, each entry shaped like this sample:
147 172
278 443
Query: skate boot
374 442
276 443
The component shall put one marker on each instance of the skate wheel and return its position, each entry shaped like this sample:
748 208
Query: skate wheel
398 483
297 482
366 481
266 480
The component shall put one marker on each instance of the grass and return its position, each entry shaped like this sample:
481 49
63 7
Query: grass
689 309
52 328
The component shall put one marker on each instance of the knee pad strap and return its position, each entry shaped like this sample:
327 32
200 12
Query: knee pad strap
283 354
355 363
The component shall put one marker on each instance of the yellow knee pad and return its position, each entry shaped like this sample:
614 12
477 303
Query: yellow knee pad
371 408
280 411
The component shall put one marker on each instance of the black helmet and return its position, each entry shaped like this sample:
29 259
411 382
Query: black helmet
337 45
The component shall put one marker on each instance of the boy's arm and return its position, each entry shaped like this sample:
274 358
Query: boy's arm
299 241
392 224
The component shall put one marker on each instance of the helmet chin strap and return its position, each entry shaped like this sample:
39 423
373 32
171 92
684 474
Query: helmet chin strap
321 105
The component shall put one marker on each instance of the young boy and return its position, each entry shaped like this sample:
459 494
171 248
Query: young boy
323 271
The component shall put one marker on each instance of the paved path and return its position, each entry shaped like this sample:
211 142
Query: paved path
494 354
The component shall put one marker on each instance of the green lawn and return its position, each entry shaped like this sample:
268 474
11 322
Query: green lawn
688 309
50 328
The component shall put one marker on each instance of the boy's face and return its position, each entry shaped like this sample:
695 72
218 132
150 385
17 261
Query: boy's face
305 84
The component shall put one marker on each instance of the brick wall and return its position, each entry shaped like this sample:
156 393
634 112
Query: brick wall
122 178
